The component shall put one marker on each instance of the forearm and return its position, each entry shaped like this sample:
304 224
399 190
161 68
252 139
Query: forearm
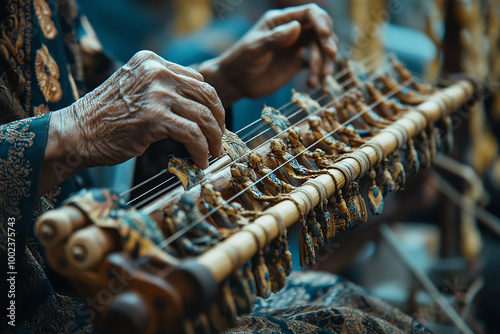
63 153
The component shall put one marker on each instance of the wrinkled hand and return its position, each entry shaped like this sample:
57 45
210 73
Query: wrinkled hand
273 51
146 100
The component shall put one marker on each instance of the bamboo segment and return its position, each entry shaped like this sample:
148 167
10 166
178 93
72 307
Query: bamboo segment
232 253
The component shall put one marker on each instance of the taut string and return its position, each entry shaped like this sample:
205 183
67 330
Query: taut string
166 242
340 96
293 113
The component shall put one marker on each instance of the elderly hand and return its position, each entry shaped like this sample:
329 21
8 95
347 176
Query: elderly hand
272 52
146 100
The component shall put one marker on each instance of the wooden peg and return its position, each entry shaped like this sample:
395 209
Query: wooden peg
88 246
55 226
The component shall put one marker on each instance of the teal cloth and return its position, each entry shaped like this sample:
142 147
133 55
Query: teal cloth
39 61
27 74
40 306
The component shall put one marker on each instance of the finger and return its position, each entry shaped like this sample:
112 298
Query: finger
203 117
328 67
327 64
206 95
281 36
309 15
329 46
305 14
192 89
190 134
315 64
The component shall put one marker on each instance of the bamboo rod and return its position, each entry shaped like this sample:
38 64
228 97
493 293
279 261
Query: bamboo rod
233 252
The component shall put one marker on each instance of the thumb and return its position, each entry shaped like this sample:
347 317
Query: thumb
282 36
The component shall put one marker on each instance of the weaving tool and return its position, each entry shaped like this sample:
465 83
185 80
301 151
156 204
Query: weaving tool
232 220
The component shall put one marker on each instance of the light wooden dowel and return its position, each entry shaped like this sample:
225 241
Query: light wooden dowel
232 253
57 225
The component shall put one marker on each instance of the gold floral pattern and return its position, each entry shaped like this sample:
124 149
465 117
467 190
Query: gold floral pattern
29 81
58 307
315 302
14 183
52 195
43 13
47 74
15 53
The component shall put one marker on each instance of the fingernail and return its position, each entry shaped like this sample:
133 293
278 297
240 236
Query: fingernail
330 43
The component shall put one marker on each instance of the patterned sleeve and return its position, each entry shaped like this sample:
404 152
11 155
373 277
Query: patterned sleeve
93 65
322 303
22 149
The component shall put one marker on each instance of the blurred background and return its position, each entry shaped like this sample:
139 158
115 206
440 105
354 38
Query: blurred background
443 228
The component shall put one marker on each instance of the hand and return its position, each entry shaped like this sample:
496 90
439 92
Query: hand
146 100
272 52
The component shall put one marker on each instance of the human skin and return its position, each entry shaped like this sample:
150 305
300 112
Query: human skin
149 98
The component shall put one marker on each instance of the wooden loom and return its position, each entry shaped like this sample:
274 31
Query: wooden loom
200 279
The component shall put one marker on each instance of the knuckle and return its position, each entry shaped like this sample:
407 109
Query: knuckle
204 114
146 54
153 71
271 14
211 94
159 95
146 59
141 56
316 10
314 7
194 72
157 73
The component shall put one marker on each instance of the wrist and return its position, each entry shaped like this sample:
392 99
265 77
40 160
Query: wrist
64 155
68 146
214 75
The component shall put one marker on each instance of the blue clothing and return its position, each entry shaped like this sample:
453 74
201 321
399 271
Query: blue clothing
47 60
40 70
